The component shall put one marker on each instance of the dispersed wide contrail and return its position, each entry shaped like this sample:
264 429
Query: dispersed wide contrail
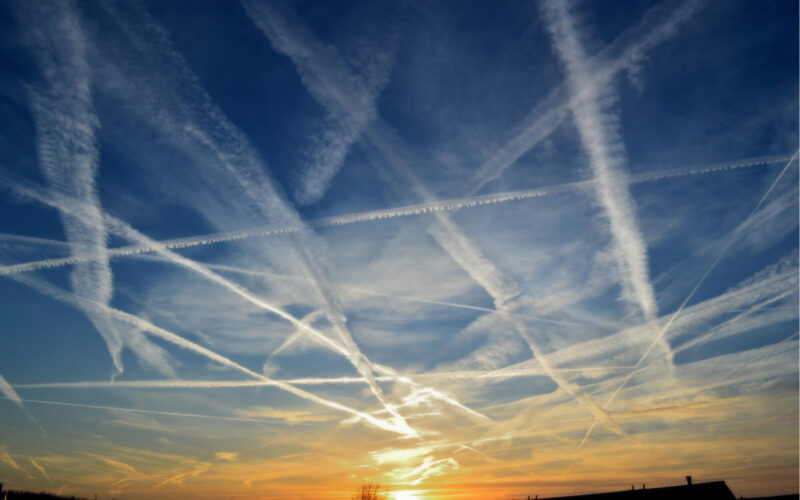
598 128
65 124
123 229
626 51
373 215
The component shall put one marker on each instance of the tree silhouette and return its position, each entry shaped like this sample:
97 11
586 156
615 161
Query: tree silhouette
370 491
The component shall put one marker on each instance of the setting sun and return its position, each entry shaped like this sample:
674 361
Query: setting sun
407 495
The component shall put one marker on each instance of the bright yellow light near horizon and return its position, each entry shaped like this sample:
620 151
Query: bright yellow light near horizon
406 495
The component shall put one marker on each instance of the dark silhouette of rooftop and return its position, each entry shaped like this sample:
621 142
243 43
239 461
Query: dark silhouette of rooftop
716 490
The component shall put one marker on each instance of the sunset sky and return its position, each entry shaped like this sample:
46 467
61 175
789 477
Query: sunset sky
463 249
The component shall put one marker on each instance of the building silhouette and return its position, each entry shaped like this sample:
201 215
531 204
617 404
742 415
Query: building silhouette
716 490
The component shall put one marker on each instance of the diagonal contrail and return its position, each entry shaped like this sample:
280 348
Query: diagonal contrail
66 145
80 302
732 238
599 131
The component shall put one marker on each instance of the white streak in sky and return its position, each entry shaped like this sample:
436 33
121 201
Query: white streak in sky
65 123
8 391
9 460
39 468
624 53
370 216
599 131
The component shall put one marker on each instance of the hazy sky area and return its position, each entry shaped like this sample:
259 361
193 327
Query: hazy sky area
472 249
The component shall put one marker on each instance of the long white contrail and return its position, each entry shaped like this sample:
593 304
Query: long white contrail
175 339
66 145
373 215
731 239
624 53
598 127
123 229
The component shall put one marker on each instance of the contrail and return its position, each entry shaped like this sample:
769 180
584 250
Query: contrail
179 341
151 412
66 145
39 468
373 215
9 393
321 81
234 153
342 129
623 53
8 459
713 265
598 128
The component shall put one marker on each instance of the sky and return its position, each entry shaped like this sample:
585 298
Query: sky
280 249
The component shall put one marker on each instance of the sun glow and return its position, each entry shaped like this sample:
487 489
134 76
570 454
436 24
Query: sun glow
407 495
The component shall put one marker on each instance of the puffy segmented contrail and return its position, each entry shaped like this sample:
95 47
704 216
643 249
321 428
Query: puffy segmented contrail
66 145
373 215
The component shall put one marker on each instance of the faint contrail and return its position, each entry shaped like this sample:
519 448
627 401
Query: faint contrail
322 81
732 238
39 468
373 215
151 412
734 234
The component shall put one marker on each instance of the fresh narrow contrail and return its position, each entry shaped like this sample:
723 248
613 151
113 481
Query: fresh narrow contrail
370 216
125 230
144 325
137 410
732 238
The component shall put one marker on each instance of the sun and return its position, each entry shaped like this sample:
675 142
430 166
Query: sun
406 495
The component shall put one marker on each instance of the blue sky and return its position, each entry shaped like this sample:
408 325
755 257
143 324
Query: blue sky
277 249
